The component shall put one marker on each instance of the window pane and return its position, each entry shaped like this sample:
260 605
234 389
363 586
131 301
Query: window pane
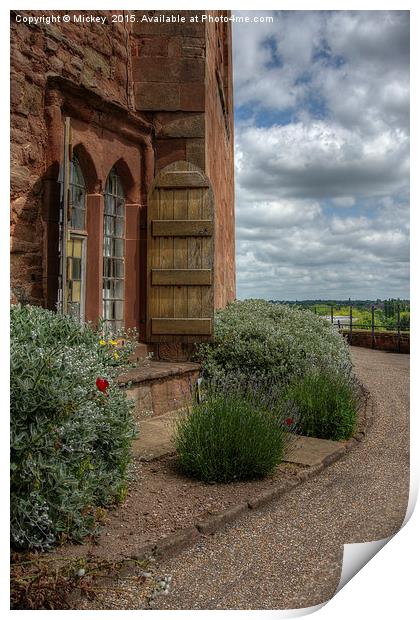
119 227
109 204
118 247
75 296
118 289
119 207
118 265
78 196
76 269
107 270
77 248
107 246
108 225
78 218
119 310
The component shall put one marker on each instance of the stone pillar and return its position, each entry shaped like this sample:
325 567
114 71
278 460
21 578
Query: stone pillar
133 266
51 198
94 261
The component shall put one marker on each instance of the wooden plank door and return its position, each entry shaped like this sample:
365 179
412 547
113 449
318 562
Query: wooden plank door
180 256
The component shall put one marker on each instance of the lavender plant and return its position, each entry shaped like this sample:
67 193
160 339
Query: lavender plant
239 431
327 404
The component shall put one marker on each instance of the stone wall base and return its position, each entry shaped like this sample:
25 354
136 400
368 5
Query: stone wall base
157 388
383 341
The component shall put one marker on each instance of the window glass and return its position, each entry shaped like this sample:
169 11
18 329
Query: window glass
114 250
78 196
75 281
76 276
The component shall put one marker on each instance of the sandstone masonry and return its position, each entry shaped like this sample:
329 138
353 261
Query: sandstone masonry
140 96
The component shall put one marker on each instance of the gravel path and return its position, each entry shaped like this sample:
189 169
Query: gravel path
288 555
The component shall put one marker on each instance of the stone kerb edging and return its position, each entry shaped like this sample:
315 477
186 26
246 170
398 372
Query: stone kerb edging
175 542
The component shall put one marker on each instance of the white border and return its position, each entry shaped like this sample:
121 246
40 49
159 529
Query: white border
387 586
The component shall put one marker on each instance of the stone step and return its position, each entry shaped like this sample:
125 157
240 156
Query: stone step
142 352
158 387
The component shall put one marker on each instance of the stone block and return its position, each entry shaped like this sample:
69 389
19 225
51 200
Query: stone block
31 101
56 64
97 62
269 495
19 246
168 151
192 97
193 47
155 96
174 47
51 45
20 180
175 351
171 394
189 125
312 451
196 152
77 62
19 62
215 522
172 543
104 45
152 46
88 78
16 89
159 69
142 398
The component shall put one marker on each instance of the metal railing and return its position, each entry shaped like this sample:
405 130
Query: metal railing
350 324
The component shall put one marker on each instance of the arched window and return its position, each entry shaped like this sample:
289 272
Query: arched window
114 252
76 243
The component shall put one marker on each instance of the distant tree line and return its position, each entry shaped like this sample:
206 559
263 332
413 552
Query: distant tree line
385 313
389 306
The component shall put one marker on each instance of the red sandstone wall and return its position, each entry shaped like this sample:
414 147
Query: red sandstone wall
90 55
383 341
219 153
166 71
175 69
169 85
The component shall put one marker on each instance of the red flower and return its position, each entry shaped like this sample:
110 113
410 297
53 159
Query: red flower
102 384
288 421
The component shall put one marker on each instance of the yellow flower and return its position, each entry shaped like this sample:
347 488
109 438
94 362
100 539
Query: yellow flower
116 356
113 342
102 343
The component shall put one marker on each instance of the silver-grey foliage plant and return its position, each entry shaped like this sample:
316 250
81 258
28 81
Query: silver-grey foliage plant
259 339
70 439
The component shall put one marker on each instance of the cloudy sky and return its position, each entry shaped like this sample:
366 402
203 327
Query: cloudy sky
322 155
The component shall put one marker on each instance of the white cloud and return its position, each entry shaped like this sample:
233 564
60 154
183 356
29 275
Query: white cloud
320 159
322 206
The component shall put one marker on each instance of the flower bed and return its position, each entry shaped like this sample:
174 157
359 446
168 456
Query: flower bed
71 427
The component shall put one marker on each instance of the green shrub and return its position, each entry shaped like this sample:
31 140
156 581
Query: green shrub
70 436
259 339
236 433
326 405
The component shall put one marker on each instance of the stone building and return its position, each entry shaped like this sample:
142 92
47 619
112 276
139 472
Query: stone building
141 93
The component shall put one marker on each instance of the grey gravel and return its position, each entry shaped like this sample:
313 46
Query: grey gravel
289 554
